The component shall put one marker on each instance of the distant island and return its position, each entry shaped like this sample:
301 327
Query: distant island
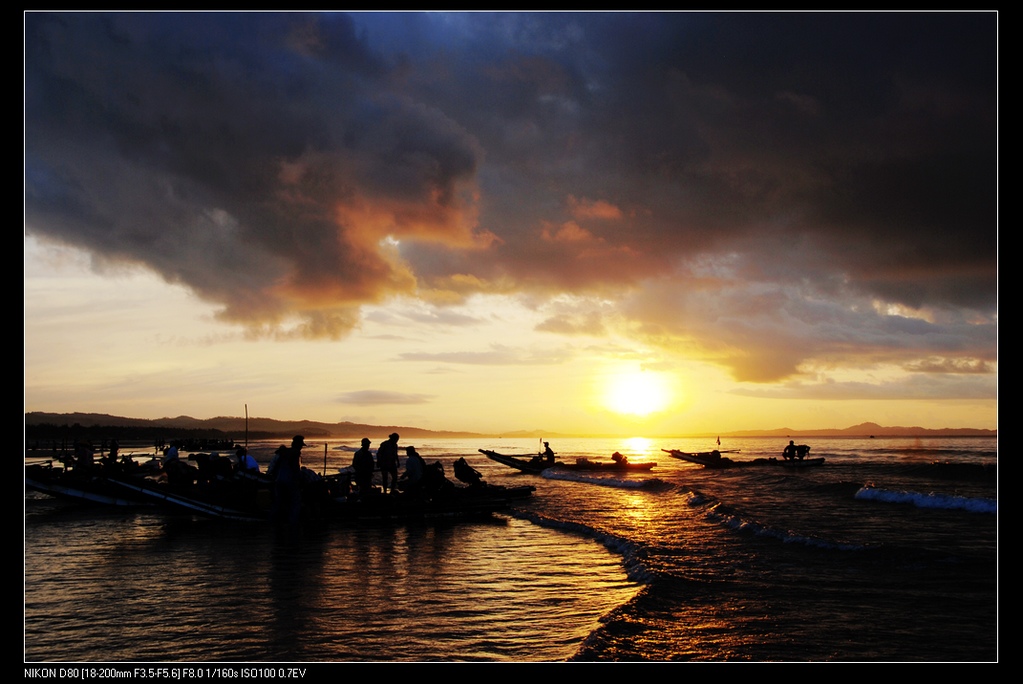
60 426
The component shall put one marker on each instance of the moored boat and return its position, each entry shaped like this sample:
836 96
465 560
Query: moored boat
85 485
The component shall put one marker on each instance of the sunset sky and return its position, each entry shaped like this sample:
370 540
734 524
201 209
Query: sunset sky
613 223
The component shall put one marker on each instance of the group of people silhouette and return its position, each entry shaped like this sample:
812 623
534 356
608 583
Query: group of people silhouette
795 452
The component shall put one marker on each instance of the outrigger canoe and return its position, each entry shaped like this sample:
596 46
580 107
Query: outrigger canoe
714 459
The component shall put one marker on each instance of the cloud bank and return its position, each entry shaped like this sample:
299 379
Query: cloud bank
763 190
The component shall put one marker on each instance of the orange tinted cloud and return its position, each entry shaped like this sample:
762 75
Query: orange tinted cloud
339 160
593 209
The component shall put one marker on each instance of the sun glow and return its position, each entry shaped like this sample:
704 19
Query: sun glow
637 392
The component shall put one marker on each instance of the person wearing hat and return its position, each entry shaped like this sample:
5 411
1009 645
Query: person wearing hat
362 464
388 461
548 453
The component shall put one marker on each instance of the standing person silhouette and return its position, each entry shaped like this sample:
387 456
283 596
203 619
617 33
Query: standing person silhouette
388 461
288 482
362 464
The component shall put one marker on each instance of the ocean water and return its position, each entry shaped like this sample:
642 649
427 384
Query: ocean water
887 553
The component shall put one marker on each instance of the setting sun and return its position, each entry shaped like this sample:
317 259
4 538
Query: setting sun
637 392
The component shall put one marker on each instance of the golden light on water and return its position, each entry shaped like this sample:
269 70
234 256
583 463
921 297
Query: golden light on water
639 444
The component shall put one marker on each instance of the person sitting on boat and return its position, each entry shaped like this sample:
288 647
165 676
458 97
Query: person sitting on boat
801 451
110 463
467 474
388 461
415 469
246 463
548 453
790 451
178 472
434 481
84 453
619 457
362 464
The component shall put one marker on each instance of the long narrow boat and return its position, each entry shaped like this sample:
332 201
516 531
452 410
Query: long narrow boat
612 466
533 465
215 503
240 500
799 462
714 460
454 503
78 485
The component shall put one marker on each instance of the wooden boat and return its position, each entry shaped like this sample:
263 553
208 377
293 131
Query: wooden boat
612 466
800 462
454 503
533 465
250 498
84 485
235 500
714 460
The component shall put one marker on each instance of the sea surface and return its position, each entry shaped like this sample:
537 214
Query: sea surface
886 553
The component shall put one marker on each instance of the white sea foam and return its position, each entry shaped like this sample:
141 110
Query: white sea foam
931 500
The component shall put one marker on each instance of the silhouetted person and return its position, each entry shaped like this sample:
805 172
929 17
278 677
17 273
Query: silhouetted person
387 461
84 453
246 462
110 464
415 470
790 451
288 482
548 453
467 474
362 464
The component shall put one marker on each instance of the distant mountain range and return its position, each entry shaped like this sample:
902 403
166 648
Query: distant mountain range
869 430
39 425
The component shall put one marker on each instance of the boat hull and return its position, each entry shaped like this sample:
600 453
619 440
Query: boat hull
517 463
613 467
707 460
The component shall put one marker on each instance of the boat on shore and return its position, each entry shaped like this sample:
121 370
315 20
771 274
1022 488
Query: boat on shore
329 500
249 496
76 485
714 460
87 484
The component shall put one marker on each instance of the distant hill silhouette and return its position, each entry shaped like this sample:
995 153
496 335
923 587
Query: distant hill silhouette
869 430
40 425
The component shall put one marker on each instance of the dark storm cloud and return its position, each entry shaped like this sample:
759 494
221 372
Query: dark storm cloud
252 157
264 159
